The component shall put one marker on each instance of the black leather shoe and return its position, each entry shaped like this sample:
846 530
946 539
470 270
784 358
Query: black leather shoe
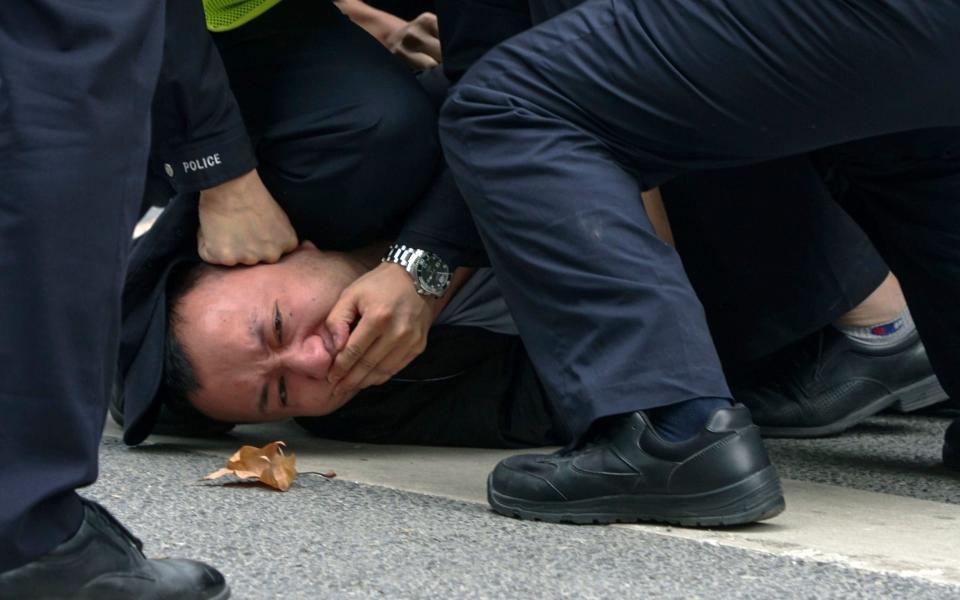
951 446
627 473
103 561
826 384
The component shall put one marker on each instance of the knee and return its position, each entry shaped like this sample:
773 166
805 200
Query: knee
403 132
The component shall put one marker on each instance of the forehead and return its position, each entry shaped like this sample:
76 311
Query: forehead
223 306
220 327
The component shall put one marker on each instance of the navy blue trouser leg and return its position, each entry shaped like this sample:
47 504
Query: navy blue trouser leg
76 81
552 135
904 189
770 253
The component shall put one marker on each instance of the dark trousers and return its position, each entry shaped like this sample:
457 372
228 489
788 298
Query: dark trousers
770 253
345 137
768 250
75 91
553 135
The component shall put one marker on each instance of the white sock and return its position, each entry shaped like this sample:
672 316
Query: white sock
882 335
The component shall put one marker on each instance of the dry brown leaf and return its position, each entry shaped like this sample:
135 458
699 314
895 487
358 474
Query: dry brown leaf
268 465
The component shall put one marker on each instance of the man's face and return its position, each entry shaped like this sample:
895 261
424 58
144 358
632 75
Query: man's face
257 339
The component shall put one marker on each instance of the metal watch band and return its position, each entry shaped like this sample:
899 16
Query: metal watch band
438 275
402 255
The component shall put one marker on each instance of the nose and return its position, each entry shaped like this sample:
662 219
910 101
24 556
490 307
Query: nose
310 358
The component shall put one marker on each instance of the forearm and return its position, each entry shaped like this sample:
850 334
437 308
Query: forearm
199 138
378 23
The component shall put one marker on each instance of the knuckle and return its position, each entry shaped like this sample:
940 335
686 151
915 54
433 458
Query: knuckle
352 353
378 316
367 365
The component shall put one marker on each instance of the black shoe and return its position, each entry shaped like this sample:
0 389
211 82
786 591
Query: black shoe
951 446
103 561
827 384
627 473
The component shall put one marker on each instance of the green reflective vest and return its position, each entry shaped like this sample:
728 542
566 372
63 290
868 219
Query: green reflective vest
229 14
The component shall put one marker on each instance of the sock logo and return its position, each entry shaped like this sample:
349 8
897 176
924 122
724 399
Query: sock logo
887 328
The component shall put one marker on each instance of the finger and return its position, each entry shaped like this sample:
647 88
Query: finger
291 243
418 60
251 259
270 254
374 378
392 364
225 258
419 41
429 22
202 246
431 46
341 318
356 347
367 367
395 363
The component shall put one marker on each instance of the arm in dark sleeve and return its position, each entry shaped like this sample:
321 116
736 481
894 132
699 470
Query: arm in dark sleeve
441 223
199 139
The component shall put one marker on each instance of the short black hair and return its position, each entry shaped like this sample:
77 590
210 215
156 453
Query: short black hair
179 381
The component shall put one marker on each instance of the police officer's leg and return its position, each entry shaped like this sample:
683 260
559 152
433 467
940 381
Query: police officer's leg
75 89
553 134
905 190
770 253
774 259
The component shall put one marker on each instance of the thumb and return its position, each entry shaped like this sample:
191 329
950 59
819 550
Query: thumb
341 317
202 245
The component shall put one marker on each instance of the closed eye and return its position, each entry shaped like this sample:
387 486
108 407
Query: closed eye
277 323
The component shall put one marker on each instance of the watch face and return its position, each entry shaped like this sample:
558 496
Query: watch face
433 274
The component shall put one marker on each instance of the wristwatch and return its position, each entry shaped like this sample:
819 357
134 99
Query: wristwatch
431 276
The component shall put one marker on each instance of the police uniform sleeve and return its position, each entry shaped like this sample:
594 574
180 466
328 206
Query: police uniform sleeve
442 224
441 221
199 138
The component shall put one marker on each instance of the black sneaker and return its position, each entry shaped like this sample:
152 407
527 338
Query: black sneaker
951 446
104 561
628 473
827 384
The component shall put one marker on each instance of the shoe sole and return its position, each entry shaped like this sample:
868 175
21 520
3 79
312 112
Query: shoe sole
223 595
754 498
921 394
99 594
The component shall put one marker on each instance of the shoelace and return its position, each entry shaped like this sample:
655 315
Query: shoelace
599 433
114 523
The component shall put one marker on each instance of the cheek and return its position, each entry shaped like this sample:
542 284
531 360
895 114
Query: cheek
310 397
